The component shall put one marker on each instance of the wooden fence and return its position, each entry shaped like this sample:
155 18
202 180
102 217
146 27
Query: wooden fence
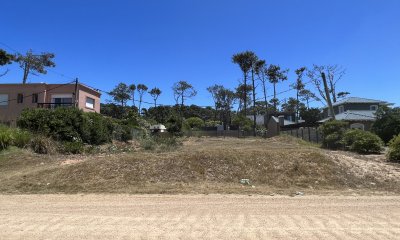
310 134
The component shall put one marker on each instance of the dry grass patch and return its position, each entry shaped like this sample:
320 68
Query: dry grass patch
201 165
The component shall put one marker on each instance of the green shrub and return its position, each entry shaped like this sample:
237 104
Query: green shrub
243 122
5 137
72 148
96 129
394 149
21 138
122 132
332 132
362 141
43 145
174 126
195 122
67 124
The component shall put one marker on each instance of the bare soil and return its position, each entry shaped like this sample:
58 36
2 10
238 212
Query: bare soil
198 217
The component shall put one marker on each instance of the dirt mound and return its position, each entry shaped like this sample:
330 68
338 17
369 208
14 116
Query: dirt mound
201 165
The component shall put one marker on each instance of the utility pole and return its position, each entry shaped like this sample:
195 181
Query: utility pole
328 96
76 93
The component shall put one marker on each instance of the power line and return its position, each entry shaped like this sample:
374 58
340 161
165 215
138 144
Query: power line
47 90
50 70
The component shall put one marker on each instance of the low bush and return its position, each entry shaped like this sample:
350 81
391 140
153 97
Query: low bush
362 141
195 122
333 132
394 149
21 138
43 145
5 137
68 124
122 132
164 143
71 148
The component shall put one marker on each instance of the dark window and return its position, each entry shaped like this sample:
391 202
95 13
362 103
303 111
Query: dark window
20 98
35 98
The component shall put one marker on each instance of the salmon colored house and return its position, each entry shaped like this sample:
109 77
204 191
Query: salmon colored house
16 97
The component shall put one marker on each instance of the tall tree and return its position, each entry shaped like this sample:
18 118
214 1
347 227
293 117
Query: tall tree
291 105
306 95
298 86
255 62
142 89
213 90
182 91
243 93
245 61
275 75
132 89
121 94
35 63
333 73
261 72
155 93
225 100
5 58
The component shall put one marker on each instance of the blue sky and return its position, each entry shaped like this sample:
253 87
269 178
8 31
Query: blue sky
161 42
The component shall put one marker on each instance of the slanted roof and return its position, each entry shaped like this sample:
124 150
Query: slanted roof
354 115
358 100
158 127
285 122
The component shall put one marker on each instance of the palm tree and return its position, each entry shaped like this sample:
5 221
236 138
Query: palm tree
245 61
141 88
155 93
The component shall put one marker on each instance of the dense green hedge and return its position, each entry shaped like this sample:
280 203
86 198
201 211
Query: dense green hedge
362 141
333 132
70 125
394 149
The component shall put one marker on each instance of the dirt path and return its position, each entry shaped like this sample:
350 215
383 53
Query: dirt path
198 217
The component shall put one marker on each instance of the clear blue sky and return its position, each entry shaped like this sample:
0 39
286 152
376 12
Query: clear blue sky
160 42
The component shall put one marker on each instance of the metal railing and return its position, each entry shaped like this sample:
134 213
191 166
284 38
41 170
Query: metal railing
54 105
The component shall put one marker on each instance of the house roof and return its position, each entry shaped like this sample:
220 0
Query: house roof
358 100
285 122
354 115
158 127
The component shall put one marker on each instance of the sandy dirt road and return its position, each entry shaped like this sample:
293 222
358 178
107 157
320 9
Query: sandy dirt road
198 217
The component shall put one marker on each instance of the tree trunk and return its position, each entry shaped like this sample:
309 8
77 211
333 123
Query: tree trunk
254 103
275 103
265 98
26 72
133 98
328 96
297 106
245 94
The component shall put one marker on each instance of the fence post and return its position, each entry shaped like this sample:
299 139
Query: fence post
316 133
309 134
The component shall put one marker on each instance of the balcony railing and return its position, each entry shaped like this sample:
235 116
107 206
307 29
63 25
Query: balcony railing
54 105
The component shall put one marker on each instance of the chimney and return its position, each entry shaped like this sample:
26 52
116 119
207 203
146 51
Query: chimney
281 120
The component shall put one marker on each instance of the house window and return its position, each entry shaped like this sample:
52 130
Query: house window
20 98
61 100
373 107
89 102
357 126
3 99
341 109
35 98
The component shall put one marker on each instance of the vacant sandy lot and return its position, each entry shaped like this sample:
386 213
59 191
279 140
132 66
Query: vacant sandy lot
198 217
